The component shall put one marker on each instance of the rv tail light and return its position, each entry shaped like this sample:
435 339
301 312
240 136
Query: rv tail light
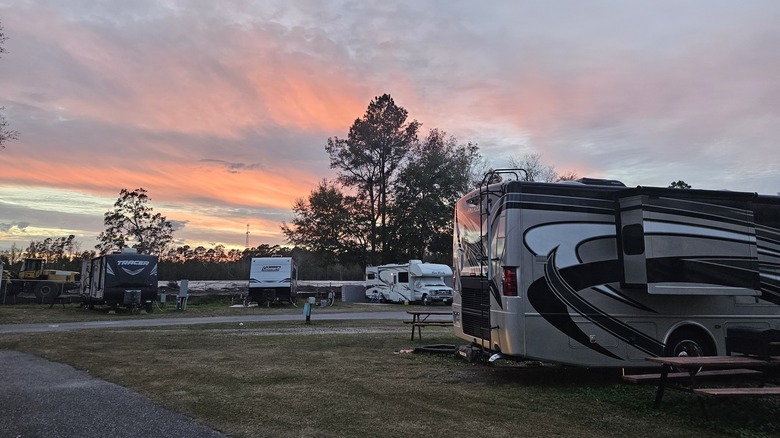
509 281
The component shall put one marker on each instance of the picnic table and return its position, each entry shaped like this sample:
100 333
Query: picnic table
420 319
694 367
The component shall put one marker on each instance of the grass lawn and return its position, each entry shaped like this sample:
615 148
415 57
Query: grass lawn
349 379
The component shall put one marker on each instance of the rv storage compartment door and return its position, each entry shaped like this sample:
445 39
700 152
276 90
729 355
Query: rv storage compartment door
688 242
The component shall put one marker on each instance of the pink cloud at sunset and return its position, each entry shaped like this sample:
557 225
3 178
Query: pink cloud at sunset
177 181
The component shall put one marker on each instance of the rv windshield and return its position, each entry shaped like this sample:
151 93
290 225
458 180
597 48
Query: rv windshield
430 282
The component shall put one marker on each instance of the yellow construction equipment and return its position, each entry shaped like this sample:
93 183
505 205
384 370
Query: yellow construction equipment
46 284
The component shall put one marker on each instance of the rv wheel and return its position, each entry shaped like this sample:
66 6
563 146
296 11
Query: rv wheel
688 343
425 300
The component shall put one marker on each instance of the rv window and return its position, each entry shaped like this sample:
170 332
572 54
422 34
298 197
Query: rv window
370 276
403 277
633 239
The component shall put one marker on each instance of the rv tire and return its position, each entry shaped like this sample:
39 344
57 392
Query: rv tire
687 342
425 300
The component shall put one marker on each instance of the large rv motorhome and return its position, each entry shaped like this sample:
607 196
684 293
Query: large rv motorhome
409 282
594 273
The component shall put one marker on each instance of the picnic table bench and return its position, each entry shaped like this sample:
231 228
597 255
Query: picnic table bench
738 392
654 378
420 320
716 366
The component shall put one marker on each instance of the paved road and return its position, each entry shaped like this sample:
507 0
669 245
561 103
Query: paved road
39 398
67 326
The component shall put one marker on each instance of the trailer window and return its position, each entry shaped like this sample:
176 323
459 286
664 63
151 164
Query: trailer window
633 239
403 277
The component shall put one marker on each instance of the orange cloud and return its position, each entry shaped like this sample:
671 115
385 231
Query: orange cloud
172 181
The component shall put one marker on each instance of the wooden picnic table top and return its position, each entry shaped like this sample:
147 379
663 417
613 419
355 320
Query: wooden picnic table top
715 361
429 312
420 318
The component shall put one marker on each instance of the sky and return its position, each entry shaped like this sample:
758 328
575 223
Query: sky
222 110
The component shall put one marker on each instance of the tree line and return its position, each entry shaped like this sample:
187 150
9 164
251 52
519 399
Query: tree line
184 262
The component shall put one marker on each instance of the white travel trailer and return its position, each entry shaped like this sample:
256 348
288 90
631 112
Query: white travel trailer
125 279
409 282
593 273
272 279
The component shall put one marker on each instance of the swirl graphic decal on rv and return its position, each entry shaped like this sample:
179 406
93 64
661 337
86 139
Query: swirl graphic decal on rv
560 289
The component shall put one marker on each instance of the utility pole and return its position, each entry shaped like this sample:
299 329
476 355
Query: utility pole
247 237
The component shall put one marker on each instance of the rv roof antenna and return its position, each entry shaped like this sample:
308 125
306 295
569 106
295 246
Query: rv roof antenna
247 236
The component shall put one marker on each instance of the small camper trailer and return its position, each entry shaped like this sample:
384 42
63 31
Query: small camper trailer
272 279
125 279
